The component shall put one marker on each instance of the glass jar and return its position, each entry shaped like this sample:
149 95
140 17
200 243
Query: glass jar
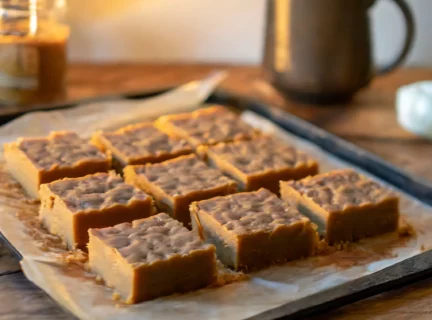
33 51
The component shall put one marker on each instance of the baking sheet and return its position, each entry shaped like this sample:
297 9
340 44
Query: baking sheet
62 276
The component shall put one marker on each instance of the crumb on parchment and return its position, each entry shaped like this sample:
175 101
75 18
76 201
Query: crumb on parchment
116 296
226 276
405 229
324 248
99 279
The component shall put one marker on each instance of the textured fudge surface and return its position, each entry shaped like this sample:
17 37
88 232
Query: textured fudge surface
212 125
144 140
338 190
260 154
95 192
183 175
59 149
251 211
148 240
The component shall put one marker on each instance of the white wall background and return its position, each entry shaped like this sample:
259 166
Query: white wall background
227 31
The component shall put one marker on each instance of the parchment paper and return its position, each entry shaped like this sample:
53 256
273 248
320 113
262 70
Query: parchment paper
77 290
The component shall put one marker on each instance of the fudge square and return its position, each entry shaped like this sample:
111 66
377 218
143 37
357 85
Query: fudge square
140 144
259 163
33 161
252 230
71 206
344 204
176 183
153 257
207 126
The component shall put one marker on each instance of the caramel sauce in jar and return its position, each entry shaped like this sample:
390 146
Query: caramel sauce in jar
33 59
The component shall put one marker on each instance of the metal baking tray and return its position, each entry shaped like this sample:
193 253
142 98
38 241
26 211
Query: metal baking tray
406 272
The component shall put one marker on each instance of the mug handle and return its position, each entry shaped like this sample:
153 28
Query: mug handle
409 38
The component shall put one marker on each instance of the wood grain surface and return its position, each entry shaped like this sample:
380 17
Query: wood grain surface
368 121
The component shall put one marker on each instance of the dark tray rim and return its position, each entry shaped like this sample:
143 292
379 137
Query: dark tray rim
406 272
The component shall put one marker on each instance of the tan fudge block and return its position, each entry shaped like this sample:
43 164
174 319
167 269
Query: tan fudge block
344 204
33 161
176 183
153 257
207 126
253 230
71 206
140 144
259 163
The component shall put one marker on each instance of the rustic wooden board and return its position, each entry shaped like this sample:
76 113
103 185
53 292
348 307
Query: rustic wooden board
20 299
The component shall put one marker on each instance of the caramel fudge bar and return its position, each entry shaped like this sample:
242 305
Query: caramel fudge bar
253 230
140 144
176 183
207 126
153 257
71 206
344 204
259 163
33 161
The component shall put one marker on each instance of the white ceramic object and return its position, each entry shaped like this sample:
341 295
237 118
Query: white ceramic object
414 108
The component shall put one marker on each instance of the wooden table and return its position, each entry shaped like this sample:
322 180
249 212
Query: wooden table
368 121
